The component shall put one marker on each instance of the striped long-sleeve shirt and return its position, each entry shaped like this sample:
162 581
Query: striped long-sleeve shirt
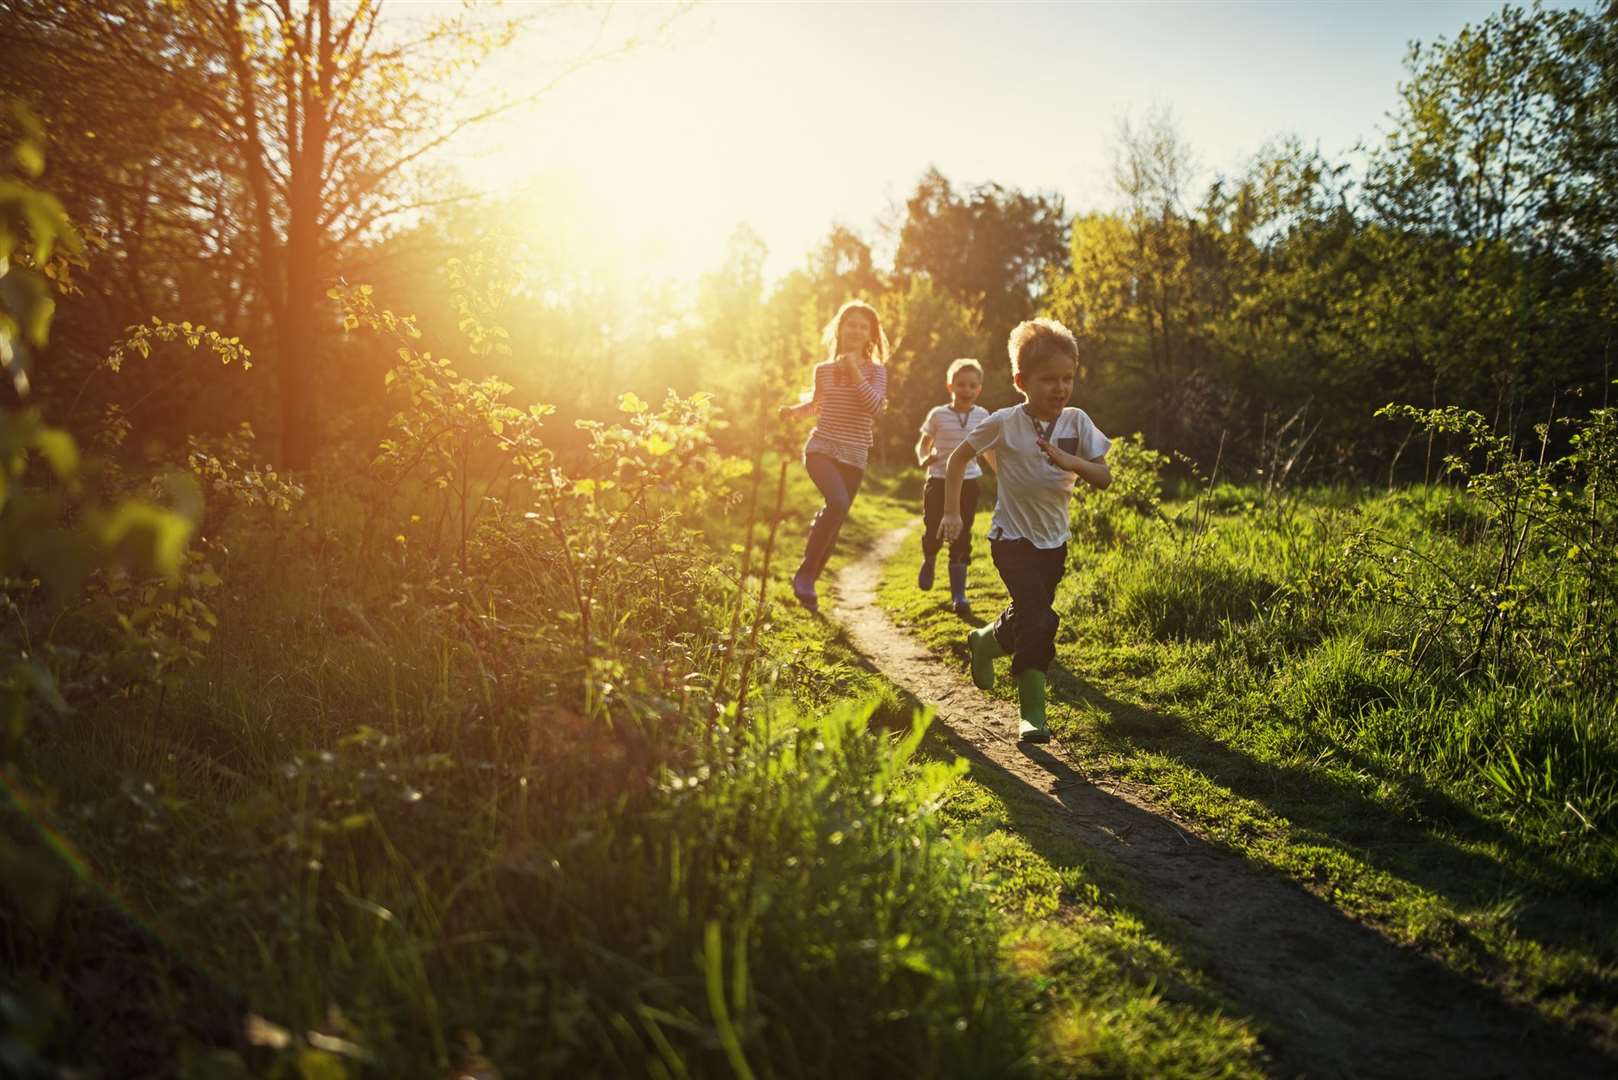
848 410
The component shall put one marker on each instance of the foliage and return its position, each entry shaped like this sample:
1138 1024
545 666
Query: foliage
1536 596
930 329
33 226
55 530
1467 264
1106 517
142 337
230 467
987 246
56 533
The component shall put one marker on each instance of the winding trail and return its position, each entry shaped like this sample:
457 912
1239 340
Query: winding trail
1334 998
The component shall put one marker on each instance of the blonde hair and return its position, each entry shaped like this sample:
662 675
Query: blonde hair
965 363
876 349
1037 341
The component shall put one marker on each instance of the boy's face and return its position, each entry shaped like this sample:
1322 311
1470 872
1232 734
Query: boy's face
966 386
1048 386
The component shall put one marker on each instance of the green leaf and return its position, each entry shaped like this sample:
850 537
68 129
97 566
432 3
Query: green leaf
58 448
30 157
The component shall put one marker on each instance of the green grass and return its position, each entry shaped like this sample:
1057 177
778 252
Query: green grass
412 829
1248 688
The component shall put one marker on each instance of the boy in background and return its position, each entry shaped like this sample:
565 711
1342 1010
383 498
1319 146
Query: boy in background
941 433
1042 449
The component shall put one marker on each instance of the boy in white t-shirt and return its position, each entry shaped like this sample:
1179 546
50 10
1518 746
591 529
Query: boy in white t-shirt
941 433
1042 448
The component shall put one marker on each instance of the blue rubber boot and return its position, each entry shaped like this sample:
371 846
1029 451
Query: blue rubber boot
924 580
1031 706
805 594
983 648
957 589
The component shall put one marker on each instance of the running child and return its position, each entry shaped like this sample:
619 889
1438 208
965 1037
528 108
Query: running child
850 388
941 433
1042 448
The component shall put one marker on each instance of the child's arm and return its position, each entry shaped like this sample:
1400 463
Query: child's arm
804 406
873 390
988 456
1093 472
924 450
949 525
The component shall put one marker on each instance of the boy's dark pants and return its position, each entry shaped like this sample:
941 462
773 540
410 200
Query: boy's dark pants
1027 628
932 511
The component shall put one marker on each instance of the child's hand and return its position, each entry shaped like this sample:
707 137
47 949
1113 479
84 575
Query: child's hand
929 459
949 526
786 411
1060 458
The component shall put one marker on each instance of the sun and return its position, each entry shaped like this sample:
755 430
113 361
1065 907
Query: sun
627 162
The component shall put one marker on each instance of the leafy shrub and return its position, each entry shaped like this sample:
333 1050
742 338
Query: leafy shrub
1536 595
1108 518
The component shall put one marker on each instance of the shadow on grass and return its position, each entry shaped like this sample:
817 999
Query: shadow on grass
1550 901
1556 904
1336 997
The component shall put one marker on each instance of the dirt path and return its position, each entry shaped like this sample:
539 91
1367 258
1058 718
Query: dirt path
1335 998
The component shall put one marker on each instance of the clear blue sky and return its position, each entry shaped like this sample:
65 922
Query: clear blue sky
791 117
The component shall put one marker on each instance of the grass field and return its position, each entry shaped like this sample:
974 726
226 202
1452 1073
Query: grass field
394 827
1247 664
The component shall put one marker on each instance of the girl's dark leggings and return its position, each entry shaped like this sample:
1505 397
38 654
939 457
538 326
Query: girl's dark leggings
838 484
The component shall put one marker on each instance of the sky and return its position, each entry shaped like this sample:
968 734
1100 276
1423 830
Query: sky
794 117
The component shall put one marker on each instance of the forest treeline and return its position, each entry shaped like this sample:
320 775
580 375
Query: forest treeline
227 171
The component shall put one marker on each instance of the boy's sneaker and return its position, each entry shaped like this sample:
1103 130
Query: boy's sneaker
1031 705
982 648
924 580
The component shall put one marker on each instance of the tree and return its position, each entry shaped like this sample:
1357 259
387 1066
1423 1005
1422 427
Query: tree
1500 169
929 329
1147 283
146 180
842 269
1505 133
328 114
990 246
729 300
306 127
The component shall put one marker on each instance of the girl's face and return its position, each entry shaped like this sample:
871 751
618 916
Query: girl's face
855 333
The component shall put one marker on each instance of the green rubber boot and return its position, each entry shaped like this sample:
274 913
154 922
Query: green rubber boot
983 648
1031 704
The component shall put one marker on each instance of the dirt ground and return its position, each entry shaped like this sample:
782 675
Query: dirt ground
1333 997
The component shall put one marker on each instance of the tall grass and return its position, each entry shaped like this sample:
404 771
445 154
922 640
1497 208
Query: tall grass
1454 634
455 766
